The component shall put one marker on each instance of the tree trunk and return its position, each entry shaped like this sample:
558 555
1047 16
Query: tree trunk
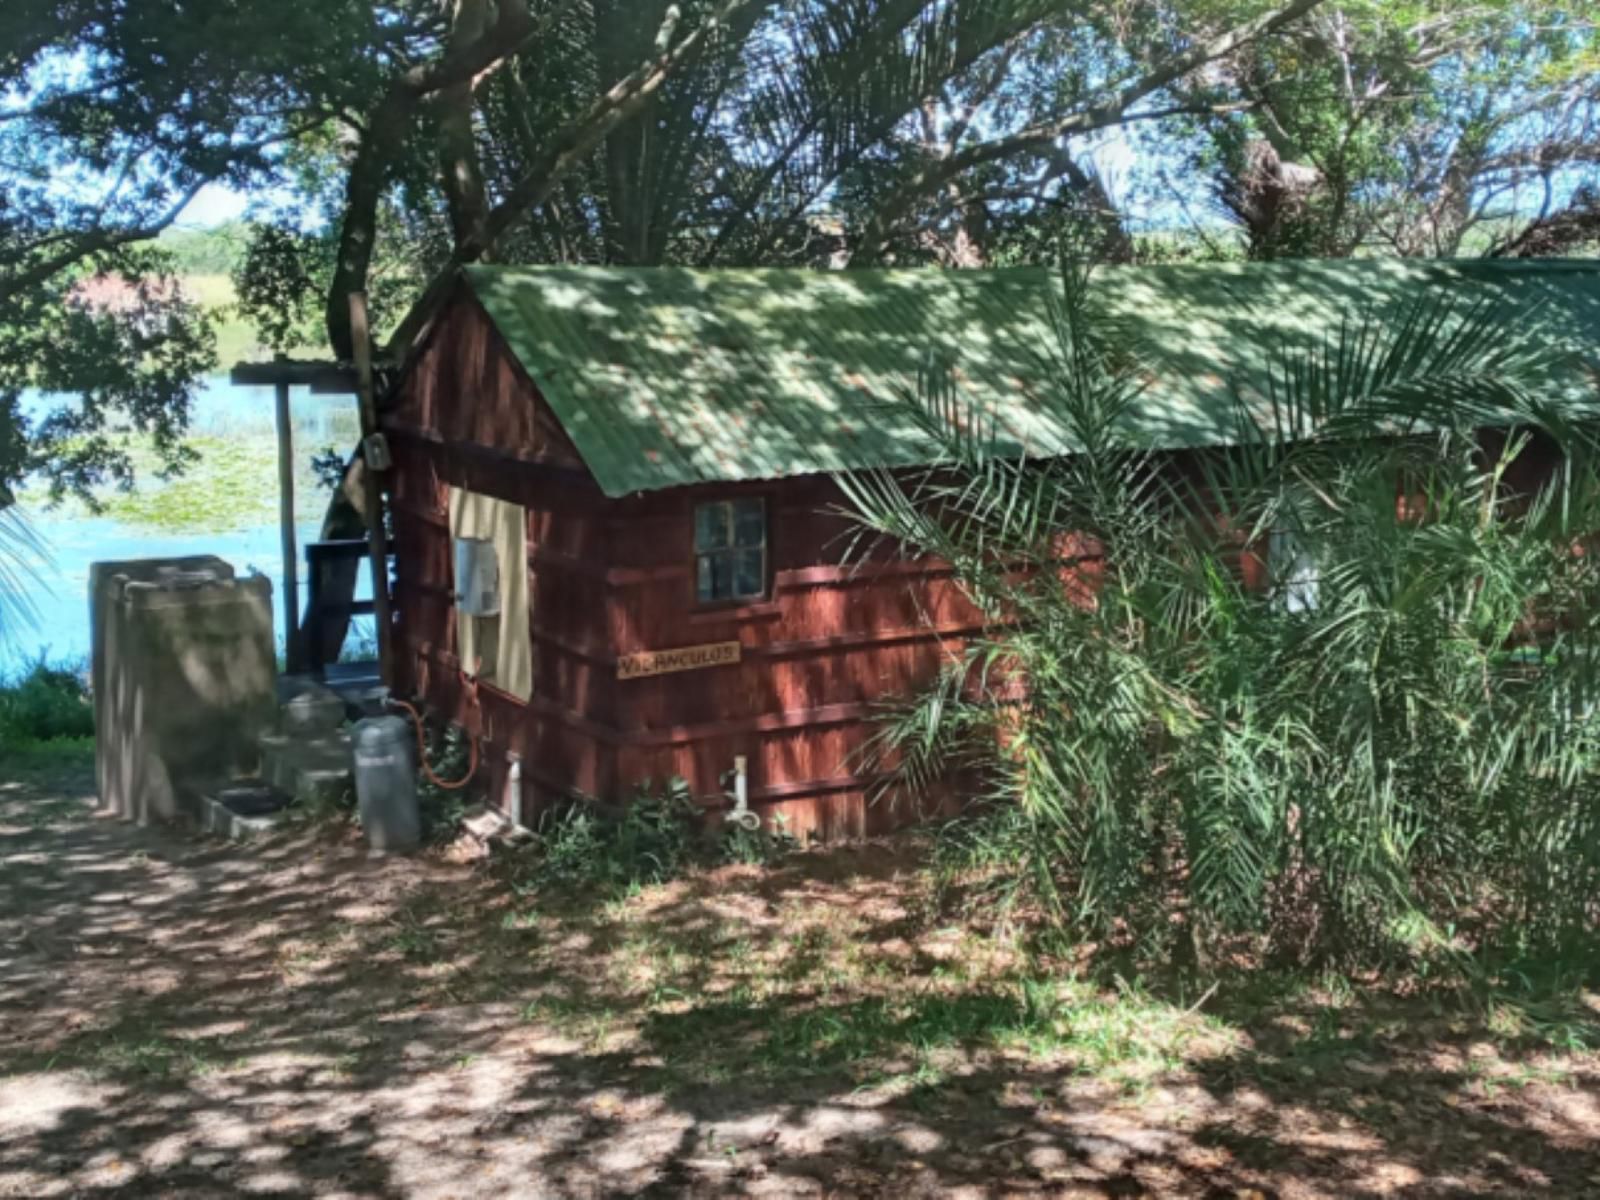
460 172
369 174
384 135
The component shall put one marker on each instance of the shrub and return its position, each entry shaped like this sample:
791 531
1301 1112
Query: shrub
1341 761
757 847
45 703
658 835
440 809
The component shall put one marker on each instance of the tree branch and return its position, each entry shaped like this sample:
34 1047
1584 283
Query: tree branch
574 143
1111 111
460 173
97 241
734 222
384 134
571 146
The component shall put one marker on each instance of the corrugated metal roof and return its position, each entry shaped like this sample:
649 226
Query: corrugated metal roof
665 376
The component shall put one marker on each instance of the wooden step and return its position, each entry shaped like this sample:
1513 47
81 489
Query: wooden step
308 767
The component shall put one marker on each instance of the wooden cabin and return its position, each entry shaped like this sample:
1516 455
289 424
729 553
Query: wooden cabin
650 453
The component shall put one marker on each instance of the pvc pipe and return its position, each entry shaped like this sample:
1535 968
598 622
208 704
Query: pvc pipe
742 816
515 799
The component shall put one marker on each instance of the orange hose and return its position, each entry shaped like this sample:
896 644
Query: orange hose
422 752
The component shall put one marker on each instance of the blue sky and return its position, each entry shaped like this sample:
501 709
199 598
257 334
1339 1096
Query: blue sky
213 206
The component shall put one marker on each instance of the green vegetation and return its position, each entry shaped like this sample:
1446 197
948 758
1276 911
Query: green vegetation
46 728
840 993
1333 760
45 703
659 834
236 340
885 1032
859 968
1264 128
213 252
230 483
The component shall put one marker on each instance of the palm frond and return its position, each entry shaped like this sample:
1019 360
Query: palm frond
1385 730
22 555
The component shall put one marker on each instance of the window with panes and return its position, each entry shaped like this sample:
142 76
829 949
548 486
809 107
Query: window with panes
730 550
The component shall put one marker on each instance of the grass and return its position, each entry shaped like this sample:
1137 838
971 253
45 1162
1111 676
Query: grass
46 734
236 340
788 976
917 1037
161 1056
816 991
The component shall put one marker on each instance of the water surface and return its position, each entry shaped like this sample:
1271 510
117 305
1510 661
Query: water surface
229 512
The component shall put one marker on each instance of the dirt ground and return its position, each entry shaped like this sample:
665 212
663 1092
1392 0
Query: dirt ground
292 1017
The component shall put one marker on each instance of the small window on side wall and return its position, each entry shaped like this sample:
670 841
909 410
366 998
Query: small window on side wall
1293 571
730 550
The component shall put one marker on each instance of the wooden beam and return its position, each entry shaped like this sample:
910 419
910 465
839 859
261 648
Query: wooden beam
361 337
291 566
327 378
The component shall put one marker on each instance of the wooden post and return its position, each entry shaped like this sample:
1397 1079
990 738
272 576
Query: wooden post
292 641
377 543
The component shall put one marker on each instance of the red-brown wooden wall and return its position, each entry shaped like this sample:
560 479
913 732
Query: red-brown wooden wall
614 577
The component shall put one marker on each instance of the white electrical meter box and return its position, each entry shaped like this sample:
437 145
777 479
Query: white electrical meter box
477 577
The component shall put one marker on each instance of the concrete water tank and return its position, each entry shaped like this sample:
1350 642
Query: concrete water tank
185 675
105 582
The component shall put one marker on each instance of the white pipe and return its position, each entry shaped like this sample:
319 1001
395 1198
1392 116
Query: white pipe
741 815
514 780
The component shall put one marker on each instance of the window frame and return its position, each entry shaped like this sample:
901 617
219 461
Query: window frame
736 600
503 644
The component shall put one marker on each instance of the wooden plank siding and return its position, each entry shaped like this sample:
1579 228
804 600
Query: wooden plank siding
610 578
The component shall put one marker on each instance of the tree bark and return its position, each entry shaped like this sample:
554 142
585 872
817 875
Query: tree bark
570 146
460 173
382 137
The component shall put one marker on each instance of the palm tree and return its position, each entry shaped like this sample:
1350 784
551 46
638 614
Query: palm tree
1347 757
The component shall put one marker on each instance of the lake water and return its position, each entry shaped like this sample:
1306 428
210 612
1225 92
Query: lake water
169 519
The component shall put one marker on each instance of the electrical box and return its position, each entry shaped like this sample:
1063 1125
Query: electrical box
477 577
375 450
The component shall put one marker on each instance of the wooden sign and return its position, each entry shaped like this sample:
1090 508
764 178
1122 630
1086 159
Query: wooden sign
666 662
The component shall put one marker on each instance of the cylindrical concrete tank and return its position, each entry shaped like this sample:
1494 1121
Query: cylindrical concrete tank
386 783
185 677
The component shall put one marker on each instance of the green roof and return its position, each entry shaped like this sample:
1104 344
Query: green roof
665 376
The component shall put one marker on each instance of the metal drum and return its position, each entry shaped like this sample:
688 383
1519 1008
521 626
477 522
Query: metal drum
386 783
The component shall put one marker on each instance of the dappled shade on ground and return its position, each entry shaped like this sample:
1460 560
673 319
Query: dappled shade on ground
181 1018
